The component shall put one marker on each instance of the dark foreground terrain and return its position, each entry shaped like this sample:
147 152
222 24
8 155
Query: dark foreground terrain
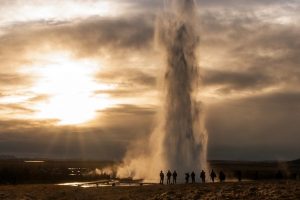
20 171
23 180
244 190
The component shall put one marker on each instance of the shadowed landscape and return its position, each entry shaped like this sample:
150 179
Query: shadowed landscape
39 180
24 171
246 190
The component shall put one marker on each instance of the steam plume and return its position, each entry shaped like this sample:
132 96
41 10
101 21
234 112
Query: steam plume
180 139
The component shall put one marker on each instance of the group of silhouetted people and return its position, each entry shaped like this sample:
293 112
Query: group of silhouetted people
169 175
213 176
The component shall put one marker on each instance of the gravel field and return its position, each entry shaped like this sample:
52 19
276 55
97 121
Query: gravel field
244 190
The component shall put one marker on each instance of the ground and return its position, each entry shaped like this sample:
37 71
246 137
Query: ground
245 190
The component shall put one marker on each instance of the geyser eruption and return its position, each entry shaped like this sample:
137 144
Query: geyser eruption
180 139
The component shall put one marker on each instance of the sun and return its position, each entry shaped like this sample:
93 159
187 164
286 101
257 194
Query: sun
70 90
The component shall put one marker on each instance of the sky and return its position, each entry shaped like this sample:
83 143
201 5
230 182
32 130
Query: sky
79 78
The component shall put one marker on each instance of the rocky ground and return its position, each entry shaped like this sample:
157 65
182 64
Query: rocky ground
244 190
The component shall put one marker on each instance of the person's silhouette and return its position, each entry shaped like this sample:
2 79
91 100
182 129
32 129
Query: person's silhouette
162 177
256 175
202 176
193 175
169 174
187 177
222 176
174 177
239 175
213 176
279 175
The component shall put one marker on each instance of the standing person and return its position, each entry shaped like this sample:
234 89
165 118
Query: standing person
193 176
162 177
222 176
213 176
256 175
279 175
187 177
239 175
169 174
174 177
202 176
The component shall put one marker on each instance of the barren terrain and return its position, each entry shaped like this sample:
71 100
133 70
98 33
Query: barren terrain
243 190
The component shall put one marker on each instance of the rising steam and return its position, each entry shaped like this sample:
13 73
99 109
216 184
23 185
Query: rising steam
180 139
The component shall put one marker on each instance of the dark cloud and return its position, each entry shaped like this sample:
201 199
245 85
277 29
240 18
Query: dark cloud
129 120
106 138
143 5
62 142
259 124
237 81
246 40
86 38
19 125
244 3
128 76
129 82
137 5
117 34
254 55
131 109
121 93
262 127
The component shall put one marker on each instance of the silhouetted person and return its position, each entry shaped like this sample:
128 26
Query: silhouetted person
256 175
174 177
169 174
222 176
193 175
187 177
162 177
202 176
239 175
279 175
213 176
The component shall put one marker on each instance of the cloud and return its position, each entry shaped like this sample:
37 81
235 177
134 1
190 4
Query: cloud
11 79
104 139
259 124
38 98
15 109
87 37
130 120
115 40
246 41
93 38
128 82
247 54
237 81
12 84
244 3
128 76
131 109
